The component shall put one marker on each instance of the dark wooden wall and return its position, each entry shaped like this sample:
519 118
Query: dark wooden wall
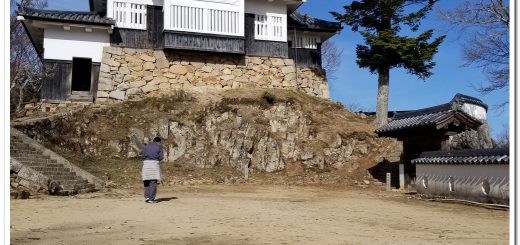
57 87
306 57
261 47
155 26
203 42
149 38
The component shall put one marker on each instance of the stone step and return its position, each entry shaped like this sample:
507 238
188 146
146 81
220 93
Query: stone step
64 177
50 165
31 155
35 160
51 169
73 182
19 144
59 172
25 152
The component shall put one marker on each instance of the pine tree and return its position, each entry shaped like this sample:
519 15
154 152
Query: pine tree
384 49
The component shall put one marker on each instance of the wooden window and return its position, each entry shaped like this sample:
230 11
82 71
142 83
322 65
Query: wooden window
129 15
270 27
306 41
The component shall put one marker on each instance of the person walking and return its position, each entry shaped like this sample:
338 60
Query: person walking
151 173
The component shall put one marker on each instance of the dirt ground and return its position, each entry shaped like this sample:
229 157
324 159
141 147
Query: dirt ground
242 214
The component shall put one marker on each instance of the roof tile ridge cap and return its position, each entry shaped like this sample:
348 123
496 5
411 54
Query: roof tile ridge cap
57 11
399 116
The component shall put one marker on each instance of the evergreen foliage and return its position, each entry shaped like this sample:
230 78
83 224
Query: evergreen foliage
379 22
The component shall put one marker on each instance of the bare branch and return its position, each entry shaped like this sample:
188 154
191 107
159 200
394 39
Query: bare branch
486 23
331 58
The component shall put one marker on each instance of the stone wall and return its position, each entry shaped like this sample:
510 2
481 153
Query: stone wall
136 73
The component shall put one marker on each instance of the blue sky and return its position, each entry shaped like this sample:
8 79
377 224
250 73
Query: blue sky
354 85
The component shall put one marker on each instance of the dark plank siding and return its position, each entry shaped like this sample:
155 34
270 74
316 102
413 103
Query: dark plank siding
306 57
261 47
57 86
203 42
130 38
149 38
155 26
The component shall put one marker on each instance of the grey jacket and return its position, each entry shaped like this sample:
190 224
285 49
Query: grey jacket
153 151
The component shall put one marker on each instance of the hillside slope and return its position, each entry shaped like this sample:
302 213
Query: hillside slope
245 132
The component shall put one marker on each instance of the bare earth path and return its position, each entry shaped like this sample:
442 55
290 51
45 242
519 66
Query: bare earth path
252 215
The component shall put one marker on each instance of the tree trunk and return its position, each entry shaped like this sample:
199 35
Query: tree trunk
382 97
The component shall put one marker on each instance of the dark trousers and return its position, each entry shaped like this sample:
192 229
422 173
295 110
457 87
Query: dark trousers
150 189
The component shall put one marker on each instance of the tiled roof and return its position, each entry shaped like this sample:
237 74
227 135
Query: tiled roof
431 116
65 16
483 156
303 21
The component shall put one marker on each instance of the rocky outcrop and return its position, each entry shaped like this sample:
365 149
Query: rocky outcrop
127 74
249 132
471 139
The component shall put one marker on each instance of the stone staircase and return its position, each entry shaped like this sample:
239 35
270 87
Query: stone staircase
61 179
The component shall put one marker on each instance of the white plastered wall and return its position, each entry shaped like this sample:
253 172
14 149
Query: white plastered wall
475 111
467 180
60 44
265 7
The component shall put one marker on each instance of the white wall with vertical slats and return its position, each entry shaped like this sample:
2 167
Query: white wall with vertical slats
221 17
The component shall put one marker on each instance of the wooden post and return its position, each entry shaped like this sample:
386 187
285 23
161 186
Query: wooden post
401 177
388 181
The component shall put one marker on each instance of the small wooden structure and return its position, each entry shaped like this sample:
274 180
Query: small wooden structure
426 129
477 175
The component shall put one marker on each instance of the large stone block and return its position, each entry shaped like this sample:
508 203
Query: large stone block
124 71
123 86
102 94
129 51
287 69
277 61
149 66
118 95
164 86
178 69
255 60
162 63
104 68
226 71
129 78
112 63
147 58
227 77
159 54
149 88
133 91
170 75
137 84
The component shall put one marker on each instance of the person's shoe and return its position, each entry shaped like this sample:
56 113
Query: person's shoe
151 201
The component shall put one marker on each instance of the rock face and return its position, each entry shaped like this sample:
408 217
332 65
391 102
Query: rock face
242 132
472 139
138 73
